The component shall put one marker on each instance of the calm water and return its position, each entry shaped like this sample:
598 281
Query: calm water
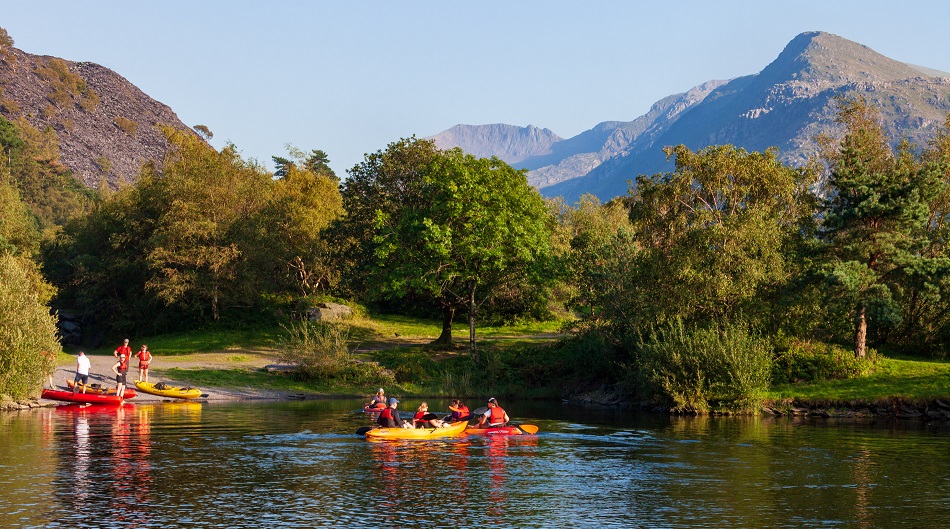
299 464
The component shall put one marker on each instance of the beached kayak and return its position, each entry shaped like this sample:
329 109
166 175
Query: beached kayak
97 389
452 430
87 398
504 430
164 390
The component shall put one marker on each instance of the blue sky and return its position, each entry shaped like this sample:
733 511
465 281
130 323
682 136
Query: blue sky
350 77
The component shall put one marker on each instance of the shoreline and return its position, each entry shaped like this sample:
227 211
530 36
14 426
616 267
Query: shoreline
925 409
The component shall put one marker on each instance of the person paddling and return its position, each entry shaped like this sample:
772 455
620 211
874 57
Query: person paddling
494 416
379 400
459 411
389 417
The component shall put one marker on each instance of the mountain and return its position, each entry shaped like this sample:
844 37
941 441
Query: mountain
785 105
106 127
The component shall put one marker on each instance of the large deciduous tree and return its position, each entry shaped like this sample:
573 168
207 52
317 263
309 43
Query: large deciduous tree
711 235
448 226
874 215
481 229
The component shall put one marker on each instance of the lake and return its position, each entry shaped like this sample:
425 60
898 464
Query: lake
299 464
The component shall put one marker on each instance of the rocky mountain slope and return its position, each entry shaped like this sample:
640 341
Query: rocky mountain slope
106 127
785 105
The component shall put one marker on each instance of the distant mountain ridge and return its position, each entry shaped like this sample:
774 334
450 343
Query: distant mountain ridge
785 105
106 127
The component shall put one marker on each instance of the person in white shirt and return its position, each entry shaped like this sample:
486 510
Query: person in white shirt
82 372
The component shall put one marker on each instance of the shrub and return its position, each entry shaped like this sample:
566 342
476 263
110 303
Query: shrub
9 106
806 361
129 126
89 101
26 328
701 369
320 352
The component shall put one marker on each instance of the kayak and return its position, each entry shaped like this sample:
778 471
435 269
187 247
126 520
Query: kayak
504 430
96 389
164 390
87 398
368 409
452 430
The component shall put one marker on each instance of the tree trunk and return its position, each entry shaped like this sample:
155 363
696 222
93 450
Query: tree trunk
471 322
861 332
448 314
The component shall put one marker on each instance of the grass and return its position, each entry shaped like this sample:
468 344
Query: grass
202 341
897 377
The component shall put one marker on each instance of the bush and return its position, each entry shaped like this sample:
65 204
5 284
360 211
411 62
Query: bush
126 124
27 329
320 352
813 362
702 369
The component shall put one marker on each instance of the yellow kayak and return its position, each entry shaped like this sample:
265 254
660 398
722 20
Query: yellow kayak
453 430
164 390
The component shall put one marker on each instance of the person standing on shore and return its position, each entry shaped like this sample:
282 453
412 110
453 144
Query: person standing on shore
82 372
120 369
124 348
144 357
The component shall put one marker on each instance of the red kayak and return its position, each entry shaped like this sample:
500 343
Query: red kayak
87 398
504 430
97 389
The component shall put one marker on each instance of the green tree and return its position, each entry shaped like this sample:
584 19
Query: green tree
875 214
597 243
711 235
305 200
384 181
480 229
196 254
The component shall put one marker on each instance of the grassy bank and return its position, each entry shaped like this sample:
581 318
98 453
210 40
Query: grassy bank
394 351
903 377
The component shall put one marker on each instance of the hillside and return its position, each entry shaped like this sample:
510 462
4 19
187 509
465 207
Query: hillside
106 127
785 105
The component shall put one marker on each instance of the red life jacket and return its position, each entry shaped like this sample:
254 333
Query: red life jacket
123 362
497 416
145 357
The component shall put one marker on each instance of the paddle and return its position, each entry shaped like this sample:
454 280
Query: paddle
363 430
526 428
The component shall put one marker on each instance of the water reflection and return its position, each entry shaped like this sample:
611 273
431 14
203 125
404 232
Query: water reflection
299 465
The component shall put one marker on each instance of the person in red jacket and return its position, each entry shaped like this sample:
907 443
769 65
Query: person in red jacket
424 419
124 348
144 357
120 369
494 416
459 411
389 417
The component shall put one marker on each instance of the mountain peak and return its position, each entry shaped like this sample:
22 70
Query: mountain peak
816 55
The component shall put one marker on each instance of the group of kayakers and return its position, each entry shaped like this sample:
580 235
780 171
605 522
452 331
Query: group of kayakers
123 355
493 416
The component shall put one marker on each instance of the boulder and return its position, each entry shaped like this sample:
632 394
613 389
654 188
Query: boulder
329 312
